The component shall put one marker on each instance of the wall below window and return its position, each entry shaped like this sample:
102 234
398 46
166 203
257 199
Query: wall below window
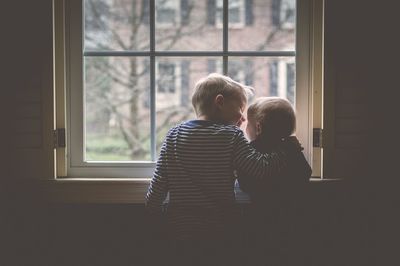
39 233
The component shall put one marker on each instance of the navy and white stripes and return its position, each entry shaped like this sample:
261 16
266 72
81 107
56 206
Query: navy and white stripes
195 167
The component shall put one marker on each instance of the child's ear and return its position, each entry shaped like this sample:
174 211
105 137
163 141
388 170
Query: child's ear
258 129
219 100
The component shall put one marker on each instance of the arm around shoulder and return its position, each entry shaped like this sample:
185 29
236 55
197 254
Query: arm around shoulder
255 165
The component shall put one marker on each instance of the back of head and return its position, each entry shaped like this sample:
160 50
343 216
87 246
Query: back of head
207 88
275 115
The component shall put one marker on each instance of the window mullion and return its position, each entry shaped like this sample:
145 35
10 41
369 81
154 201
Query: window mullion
225 20
276 53
152 81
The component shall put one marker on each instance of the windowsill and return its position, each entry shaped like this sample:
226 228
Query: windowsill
315 179
95 190
107 190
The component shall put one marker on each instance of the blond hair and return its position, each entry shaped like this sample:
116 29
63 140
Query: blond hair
207 88
275 115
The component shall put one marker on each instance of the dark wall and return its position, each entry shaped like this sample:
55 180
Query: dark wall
35 232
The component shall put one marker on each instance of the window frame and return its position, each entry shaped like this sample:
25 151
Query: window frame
73 51
242 15
240 76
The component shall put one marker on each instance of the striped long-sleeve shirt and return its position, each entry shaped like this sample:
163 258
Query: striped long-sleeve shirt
196 166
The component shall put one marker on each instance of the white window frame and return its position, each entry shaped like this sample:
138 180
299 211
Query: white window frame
242 15
71 165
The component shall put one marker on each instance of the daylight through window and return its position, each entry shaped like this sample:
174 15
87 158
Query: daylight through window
142 58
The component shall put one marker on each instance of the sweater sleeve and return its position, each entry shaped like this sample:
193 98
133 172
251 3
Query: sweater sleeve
158 189
252 164
291 164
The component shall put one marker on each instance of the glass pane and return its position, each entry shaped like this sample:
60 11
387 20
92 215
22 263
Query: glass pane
234 15
175 80
117 113
187 25
264 25
219 12
270 76
116 25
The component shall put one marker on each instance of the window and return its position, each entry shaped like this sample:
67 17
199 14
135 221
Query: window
284 14
287 14
166 78
236 13
168 84
167 12
129 79
240 70
282 79
290 84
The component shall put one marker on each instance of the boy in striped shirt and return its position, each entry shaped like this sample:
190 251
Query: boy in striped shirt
196 166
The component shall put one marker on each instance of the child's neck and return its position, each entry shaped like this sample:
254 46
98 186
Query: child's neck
203 117
211 118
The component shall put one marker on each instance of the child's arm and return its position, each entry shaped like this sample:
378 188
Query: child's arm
255 165
158 188
285 152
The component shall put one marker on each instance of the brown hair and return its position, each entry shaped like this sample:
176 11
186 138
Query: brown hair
275 115
206 89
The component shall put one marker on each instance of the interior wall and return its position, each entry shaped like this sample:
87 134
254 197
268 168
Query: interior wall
349 42
27 89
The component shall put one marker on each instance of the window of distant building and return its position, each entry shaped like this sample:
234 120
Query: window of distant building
284 13
168 80
236 13
282 77
168 13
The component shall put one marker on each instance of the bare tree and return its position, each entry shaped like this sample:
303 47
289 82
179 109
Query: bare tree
116 25
123 25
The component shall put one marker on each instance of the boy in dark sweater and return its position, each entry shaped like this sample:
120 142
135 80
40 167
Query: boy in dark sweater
277 203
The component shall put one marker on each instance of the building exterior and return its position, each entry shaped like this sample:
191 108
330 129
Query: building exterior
118 87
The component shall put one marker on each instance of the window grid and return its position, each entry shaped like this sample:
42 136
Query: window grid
153 54
152 80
